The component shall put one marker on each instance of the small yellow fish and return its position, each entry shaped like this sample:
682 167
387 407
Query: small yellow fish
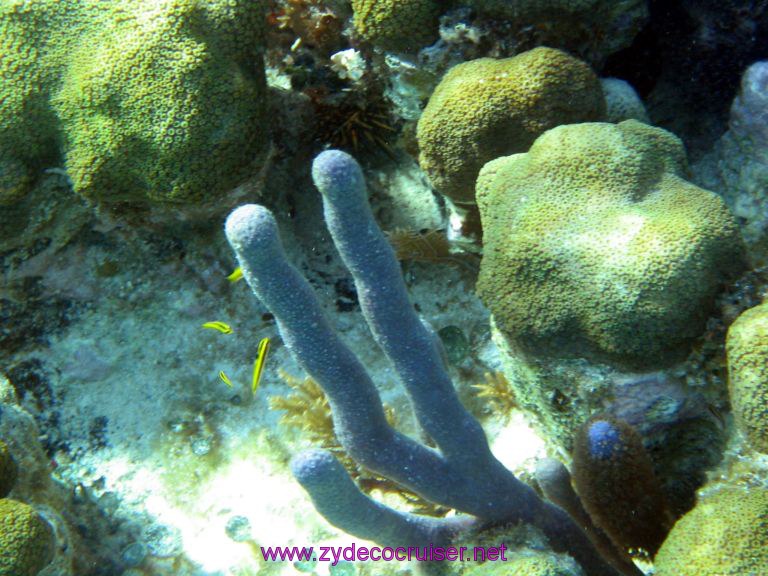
220 326
236 275
224 378
258 364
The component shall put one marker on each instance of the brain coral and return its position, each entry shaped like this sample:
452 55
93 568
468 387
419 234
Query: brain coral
397 25
747 347
596 246
26 540
726 534
161 101
487 108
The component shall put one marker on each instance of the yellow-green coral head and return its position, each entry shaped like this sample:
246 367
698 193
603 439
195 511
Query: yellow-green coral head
596 246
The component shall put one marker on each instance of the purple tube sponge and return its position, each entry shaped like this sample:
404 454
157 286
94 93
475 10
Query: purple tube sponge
461 473
613 475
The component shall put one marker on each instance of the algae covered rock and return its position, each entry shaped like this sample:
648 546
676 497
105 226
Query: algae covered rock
726 534
486 108
397 25
622 102
26 540
144 102
747 348
593 29
596 246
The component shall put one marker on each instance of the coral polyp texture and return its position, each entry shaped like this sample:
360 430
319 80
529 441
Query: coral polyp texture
26 540
397 25
596 245
461 472
747 349
486 108
726 534
163 104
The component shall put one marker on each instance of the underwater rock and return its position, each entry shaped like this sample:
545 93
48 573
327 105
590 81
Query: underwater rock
738 167
486 108
622 102
595 246
592 29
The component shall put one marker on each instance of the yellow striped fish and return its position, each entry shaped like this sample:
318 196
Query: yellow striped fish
258 364
236 275
224 378
220 326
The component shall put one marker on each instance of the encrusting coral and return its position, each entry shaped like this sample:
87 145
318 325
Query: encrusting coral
398 25
596 246
486 108
461 473
26 540
726 534
747 349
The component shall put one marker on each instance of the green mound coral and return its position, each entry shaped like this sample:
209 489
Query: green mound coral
487 108
9 470
531 564
26 540
596 246
145 102
747 348
35 37
726 534
397 25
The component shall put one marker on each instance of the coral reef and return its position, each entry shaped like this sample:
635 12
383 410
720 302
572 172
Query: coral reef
129 129
462 473
596 246
747 349
726 534
488 108
26 540
165 105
